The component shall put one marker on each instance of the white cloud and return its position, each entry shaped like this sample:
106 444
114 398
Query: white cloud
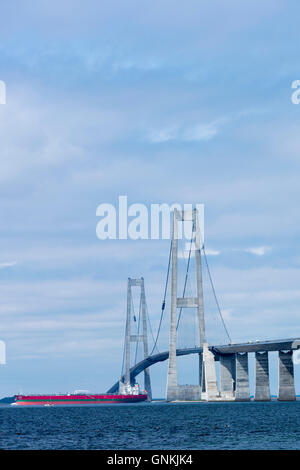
194 133
7 264
138 64
210 252
227 314
185 253
259 250
200 132
163 135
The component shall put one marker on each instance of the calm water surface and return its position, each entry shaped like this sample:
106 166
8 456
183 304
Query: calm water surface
270 425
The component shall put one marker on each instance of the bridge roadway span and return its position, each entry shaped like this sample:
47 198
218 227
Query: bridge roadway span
250 347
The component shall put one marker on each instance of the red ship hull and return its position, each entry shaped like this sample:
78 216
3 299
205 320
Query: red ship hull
56 400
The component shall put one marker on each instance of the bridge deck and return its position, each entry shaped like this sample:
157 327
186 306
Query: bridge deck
251 346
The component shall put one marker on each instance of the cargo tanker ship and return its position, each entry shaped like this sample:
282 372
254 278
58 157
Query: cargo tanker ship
77 398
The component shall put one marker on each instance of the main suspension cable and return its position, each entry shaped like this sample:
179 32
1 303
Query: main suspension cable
214 292
164 300
150 326
184 290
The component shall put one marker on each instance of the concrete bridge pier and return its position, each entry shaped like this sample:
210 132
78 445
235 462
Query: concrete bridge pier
189 393
286 391
242 391
227 376
262 382
201 372
211 392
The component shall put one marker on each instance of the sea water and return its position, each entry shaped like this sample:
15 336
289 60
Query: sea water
270 425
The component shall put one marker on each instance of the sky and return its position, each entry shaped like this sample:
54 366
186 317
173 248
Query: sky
163 102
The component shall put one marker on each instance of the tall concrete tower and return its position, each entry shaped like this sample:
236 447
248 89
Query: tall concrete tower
174 391
141 337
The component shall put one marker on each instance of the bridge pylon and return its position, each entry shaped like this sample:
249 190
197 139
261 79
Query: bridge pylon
136 338
174 391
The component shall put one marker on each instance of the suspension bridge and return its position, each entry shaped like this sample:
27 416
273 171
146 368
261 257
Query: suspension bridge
232 384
